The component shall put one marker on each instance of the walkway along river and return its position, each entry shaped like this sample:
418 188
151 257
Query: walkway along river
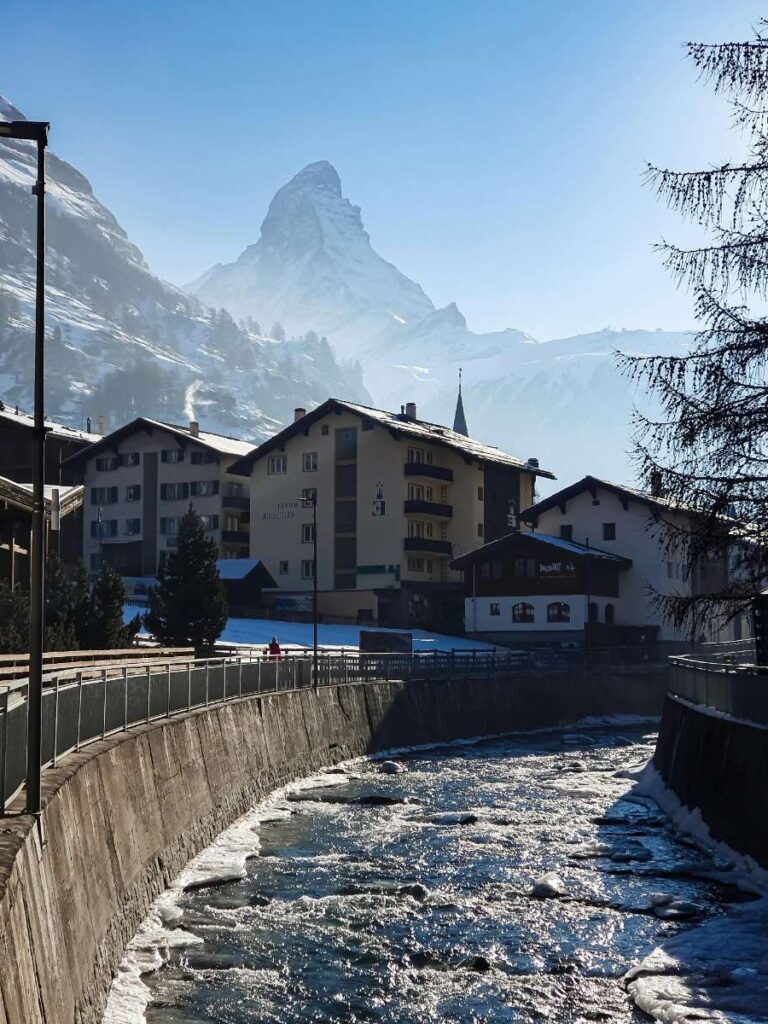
524 879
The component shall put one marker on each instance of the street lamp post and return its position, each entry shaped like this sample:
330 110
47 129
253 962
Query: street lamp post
36 131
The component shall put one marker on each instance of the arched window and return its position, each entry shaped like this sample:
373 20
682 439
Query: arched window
522 612
558 611
592 612
610 614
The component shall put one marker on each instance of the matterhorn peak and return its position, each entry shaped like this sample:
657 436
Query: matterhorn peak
321 174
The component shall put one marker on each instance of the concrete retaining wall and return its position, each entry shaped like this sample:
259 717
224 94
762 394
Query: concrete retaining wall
122 818
719 765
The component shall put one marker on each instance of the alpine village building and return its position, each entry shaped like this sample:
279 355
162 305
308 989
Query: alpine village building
141 479
396 498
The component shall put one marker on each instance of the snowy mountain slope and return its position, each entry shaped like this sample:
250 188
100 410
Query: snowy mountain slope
563 401
313 267
121 341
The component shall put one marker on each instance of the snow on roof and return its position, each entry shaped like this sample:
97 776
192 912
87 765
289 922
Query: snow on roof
23 419
592 482
217 442
222 443
573 547
20 494
420 430
236 568
545 539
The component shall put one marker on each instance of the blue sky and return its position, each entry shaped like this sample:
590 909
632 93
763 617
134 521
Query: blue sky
496 148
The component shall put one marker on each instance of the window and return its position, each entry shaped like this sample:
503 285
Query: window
174 492
415 454
309 462
592 612
233 490
307 569
415 565
169 525
524 567
105 528
346 443
95 562
103 495
566 531
485 570
558 611
307 533
231 523
495 608
480 493
107 463
172 455
133 492
595 501
198 458
284 567
325 430
609 531
496 568
522 612
610 614
415 492
309 495
277 464
480 530
210 522
130 459
415 528
204 488
132 527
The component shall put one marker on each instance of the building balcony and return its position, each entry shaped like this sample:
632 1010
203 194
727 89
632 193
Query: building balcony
428 470
428 508
239 501
425 545
235 537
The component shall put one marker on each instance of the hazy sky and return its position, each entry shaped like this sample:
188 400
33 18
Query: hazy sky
496 148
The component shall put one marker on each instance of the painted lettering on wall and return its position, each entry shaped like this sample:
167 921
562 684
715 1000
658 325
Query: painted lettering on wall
557 568
283 510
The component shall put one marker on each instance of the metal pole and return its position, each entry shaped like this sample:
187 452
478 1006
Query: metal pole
79 707
55 719
5 749
314 590
37 559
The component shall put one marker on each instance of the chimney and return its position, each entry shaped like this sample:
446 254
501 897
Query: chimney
194 428
101 426
298 414
533 463
88 424
657 485
410 410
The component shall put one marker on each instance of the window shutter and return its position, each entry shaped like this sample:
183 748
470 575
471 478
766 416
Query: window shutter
215 487
185 490
113 494
163 524
193 488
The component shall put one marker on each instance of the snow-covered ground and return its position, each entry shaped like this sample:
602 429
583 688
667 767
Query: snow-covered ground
255 632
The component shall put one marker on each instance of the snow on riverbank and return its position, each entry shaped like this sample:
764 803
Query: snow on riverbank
258 633
716 971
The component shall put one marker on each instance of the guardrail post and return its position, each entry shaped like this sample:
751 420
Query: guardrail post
125 698
259 678
3 763
207 678
79 707
189 686
168 697
55 719
240 677
104 704
149 693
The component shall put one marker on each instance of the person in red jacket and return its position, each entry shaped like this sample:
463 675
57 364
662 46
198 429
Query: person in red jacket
274 649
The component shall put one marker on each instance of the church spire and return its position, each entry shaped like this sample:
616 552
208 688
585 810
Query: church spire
460 420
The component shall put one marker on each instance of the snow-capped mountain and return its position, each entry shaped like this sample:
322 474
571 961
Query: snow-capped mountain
562 401
314 267
122 342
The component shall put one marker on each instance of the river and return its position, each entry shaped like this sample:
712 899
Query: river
412 896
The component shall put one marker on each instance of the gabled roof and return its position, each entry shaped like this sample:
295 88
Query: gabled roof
240 568
20 495
592 484
23 419
204 439
399 426
545 540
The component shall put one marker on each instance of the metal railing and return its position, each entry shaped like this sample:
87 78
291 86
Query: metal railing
83 706
726 680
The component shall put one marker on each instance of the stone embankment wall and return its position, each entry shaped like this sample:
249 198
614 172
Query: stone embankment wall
123 817
719 764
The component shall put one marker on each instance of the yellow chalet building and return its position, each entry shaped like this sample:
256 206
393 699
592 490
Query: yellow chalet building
397 498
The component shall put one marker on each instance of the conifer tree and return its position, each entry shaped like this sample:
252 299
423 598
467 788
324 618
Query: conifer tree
14 619
188 607
707 449
59 615
106 629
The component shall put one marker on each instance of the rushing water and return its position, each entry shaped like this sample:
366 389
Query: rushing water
408 897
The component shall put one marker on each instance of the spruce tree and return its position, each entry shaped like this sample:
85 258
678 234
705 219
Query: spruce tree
60 630
14 619
707 450
188 606
106 628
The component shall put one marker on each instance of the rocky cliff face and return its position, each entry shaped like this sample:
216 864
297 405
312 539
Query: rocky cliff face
122 342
